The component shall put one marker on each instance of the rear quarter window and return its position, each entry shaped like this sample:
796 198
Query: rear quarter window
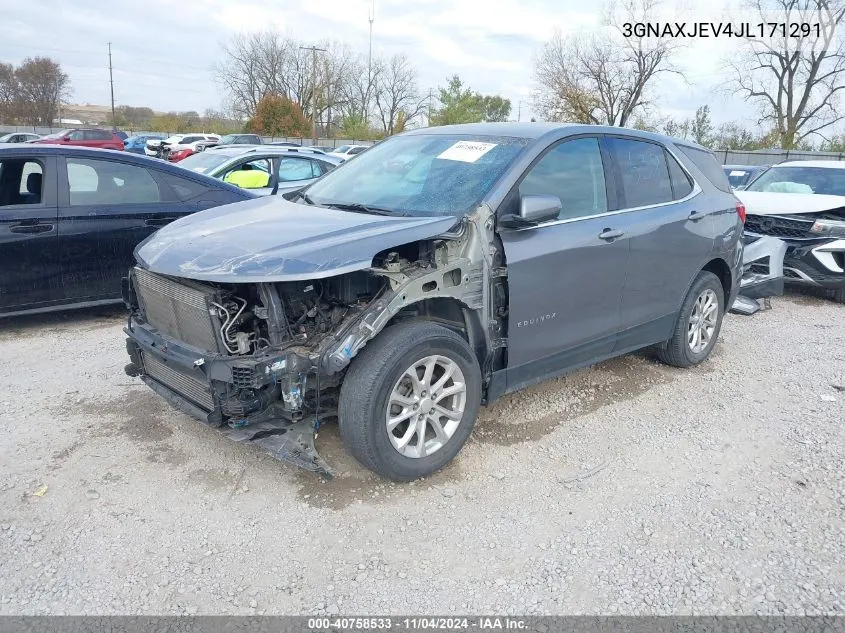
184 188
708 165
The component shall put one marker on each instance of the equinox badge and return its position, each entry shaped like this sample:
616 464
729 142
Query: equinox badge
536 320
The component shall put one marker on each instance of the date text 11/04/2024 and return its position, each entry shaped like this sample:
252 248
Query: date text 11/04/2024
416 624
721 29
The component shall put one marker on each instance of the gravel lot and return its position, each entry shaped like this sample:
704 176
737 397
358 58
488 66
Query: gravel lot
627 488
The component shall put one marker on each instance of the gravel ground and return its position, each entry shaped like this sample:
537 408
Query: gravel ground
626 488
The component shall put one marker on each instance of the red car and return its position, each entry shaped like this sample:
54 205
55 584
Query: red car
102 139
180 154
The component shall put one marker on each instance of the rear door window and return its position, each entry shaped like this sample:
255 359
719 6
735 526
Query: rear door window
292 169
21 182
643 171
109 182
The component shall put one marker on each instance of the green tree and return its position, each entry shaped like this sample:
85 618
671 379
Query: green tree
735 136
276 115
496 108
459 104
701 127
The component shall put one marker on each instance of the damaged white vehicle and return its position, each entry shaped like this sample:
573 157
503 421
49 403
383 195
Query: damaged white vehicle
796 226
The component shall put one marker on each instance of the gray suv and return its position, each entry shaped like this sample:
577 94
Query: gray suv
436 272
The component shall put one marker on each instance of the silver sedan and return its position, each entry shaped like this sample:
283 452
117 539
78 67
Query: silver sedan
254 167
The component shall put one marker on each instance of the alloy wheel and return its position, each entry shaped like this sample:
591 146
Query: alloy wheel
426 406
703 321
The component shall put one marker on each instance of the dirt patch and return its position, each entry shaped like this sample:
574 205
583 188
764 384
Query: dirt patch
141 413
53 323
567 398
353 483
214 480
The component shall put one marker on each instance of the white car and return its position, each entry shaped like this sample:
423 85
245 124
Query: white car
347 151
178 142
19 137
802 205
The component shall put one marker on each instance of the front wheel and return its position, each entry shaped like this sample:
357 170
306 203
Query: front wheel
409 400
837 295
699 323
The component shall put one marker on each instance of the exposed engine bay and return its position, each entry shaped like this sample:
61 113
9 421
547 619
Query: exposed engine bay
264 361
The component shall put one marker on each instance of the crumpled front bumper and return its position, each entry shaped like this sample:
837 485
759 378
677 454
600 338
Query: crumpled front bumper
197 385
762 264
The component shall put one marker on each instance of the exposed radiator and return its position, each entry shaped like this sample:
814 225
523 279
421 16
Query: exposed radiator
191 388
176 309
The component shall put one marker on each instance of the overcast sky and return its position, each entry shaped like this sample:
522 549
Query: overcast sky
164 50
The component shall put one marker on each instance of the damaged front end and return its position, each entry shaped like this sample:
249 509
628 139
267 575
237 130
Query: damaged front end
263 362
762 266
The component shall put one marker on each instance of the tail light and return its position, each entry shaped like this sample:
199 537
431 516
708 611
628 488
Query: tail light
740 211
177 156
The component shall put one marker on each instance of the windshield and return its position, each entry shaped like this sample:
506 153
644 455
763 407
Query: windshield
228 139
738 176
432 174
59 134
204 162
342 149
821 180
5 138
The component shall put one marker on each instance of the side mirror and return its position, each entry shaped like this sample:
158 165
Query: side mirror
533 210
66 137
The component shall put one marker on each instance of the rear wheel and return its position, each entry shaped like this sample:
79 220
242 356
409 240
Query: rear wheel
698 325
409 400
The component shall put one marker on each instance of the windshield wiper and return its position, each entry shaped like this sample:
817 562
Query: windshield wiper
304 196
362 208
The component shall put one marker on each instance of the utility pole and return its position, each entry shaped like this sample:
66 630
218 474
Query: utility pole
313 50
519 112
372 18
111 82
430 95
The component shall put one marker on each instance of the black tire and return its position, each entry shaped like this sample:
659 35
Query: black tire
837 295
676 351
369 382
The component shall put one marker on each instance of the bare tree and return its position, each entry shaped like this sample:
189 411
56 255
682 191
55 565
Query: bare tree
603 78
795 81
8 93
41 87
396 96
264 63
359 88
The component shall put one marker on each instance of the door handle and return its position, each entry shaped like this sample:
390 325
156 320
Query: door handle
695 216
31 228
610 235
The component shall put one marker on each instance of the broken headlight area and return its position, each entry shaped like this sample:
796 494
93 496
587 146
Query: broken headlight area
245 358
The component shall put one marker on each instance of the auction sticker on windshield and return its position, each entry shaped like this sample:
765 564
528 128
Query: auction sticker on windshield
467 151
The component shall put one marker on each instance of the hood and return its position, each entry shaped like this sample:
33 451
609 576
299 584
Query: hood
769 203
271 239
